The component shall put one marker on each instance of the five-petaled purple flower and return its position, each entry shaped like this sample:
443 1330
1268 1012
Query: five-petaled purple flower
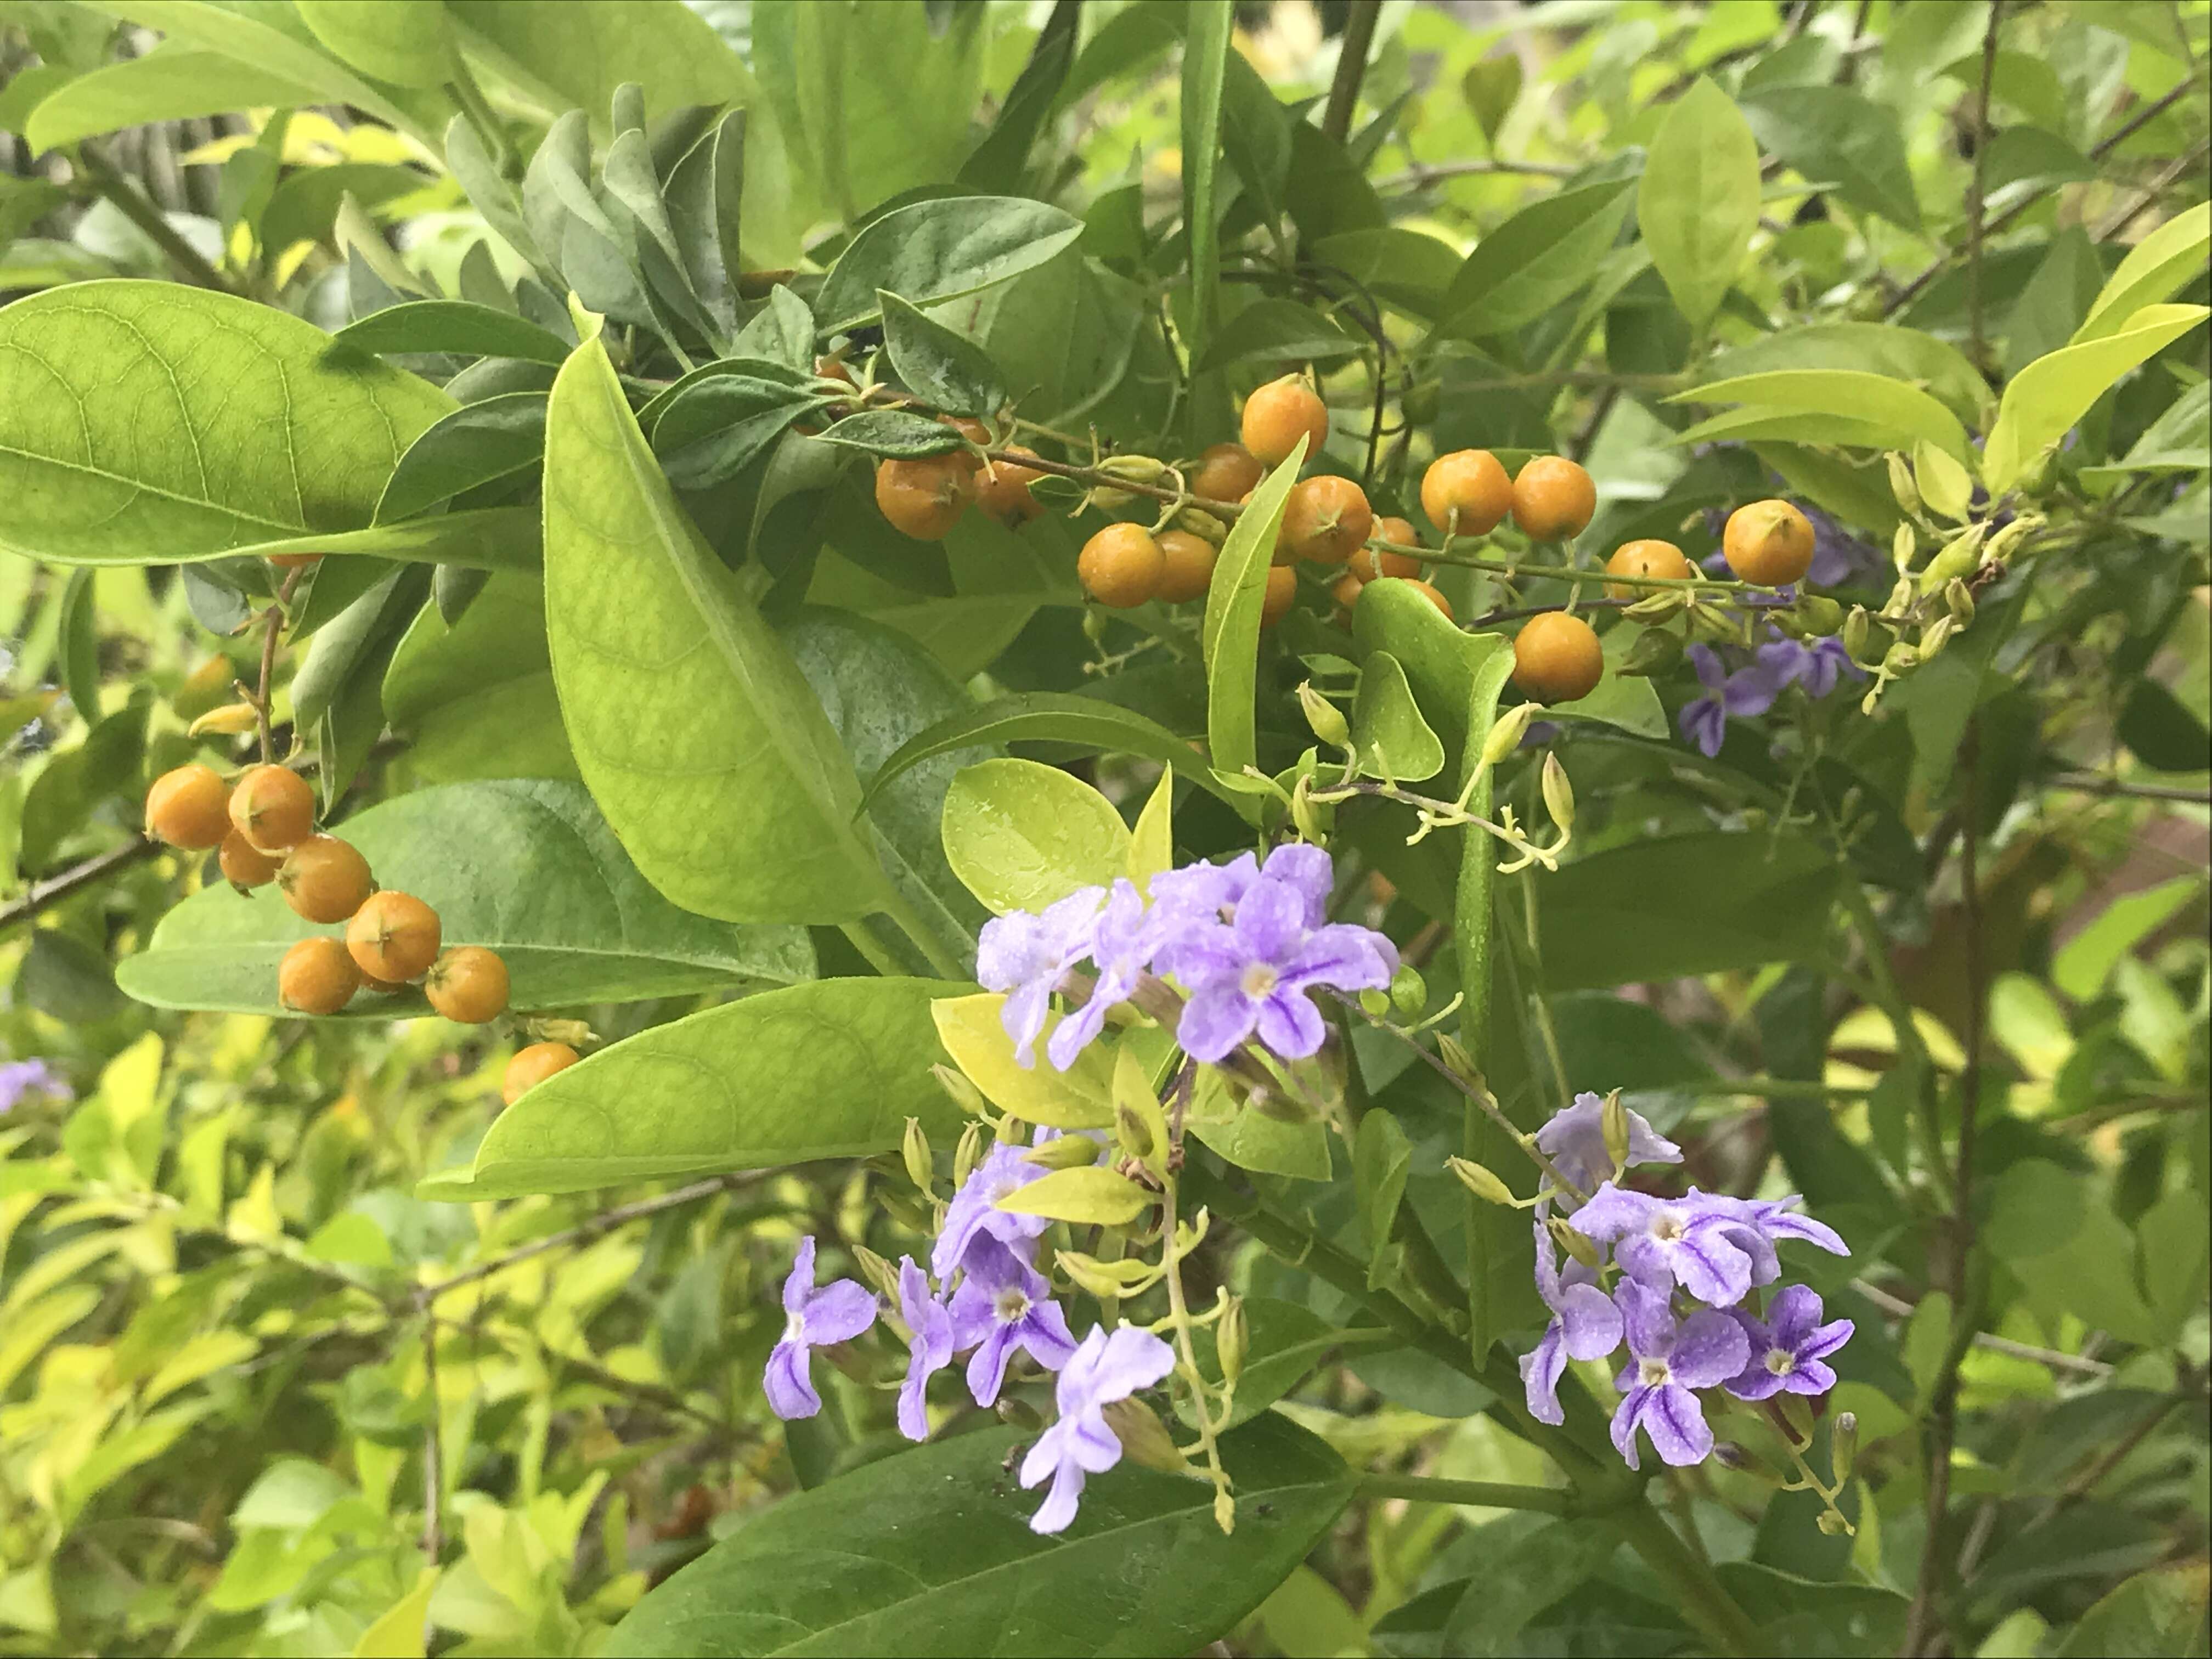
1787 1348
837 1312
1121 941
1663 1242
1105 1367
1003 1303
19 1078
1585 1325
1761 1223
974 1213
1253 974
1670 1358
1027 955
1573 1137
930 1351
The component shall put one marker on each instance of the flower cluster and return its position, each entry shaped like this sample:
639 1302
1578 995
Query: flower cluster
1682 1272
990 1301
19 1078
1246 942
1751 690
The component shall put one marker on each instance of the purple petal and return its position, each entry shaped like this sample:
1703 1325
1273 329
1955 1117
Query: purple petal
1044 1333
1270 921
1709 1267
789 1388
1132 1359
1645 1260
798 1284
1022 1017
1755 1382
1647 1319
1703 723
1214 1021
1779 1223
1809 1376
1708 1349
839 1311
1059 1506
987 1366
1750 692
1589 1322
1305 870
1343 955
1045 1456
1289 1024
1092 1443
1824 1341
1542 1367
1612 1212
1548 1268
1675 1420
1080 1029
1624 1418
1707 663
1792 1314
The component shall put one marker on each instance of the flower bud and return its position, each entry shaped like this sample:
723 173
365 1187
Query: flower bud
1901 482
1202 525
1902 546
1144 1437
1832 1523
1797 1414
574 1032
1558 793
1224 1506
965 1095
1506 732
1820 615
1130 1129
1126 1276
1653 650
1311 819
1480 1181
1712 624
1326 718
1961 600
1065 1152
1858 630
1582 1249
1935 636
1454 1054
878 1273
1956 557
915 1150
1660 606
909 1211
1409 992
1019 1413
1273 1103
1900 659
1899 601
226 721
1613 1123
1843 1445
1231 1339
1094 624
966 1155
2003 543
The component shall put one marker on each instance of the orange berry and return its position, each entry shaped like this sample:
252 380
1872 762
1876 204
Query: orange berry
1428 592
532 1065
975 432
468 985
1344 590
273 807
325 879
1226 473
1768 543
1368 563
1472 481
1282 589
393 935
1553 498
1645 558
189 807
1280 413
1557 657
1326 520
924 498
1002 489
1186 565
316 977
244 865
1122 566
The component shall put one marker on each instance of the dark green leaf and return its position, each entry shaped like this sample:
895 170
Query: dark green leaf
458 327
1834 133
998 163
479 443
936 251
1280 331
893 432
1535 260
938 365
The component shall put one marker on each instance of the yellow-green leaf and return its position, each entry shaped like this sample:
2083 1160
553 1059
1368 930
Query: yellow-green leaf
2056 389
1081 1097
1091 1195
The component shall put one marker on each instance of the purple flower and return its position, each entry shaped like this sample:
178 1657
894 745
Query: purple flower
1305 870
1585 1325
1760 1224
1837 555
1728 696
1104 1369
837 1312
1202 892
931 1350
1574 1139
974 1211
1121 941
1826 664
1253 974
1663 1242
1788 1346
1003 1303
19 1078
1670 1360
1027 955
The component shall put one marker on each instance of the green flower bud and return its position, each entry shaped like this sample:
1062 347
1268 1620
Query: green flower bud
1844 1445
1712 624
1798 1415
1409 992
1126 1276
1377 1003
1574 1243
1901 484
1481 1181
1063 1152
967 1154
965 1095
1326 718
1652 651
1935 636
1900 659
1961 599
1832 1523
1901 599
1668 602
1858 630
1902 546
1144 1437
1094 624
2003 543
1019 1413
1130 1129
878 1273
1613 1123
1558 793
1820 615
1956 557
1454 1054
1506 731
1231 1340
1204 525
915 1150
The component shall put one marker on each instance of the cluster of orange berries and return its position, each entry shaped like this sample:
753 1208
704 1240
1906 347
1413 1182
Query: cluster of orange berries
263 829
924 497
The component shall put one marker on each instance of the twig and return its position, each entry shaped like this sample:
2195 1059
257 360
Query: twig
2089 785
55 889
1350 68
1429 172
2119 217
582 1233
1898 1307
115 188
1978 186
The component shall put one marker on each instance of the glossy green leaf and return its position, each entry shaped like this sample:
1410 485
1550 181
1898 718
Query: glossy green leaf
1437 659
1389 736
1021 835
1093 1197
1874 399
454 325
494 439
1535 260
1698 203
946 371
475 697
971 1031
2054 391
172 82
1886 348
1380 1157
1205 50
1229 636
822 1070
1279 331
145 423
716 766
938 251
1835 135
915 1554
527 867
2155 270
893 432
404 42
484 538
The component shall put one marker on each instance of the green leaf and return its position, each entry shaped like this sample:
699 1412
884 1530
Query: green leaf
1627 700
1405 268
1380 1157
1021 834
695 731
1669 906
1890 405
916 1554
893 432
458 327
487 538
945 370
998 162
1205 50
592 930
1285 1343
1536 259
172 82
79 645
2054 391
1698 203
2025 155
404 42
2085 962
971 1031
480 443
476 696
2179 440
1523 1575
822 1070
305 206
1091 1197
781 330
1251 1140
936 251
1087 723
2158 1614
2155 270
714 428
146 422
73 782
1438 661
1279 329
1388 736
1900 354
1945 484
1230 635
1834 133
565 54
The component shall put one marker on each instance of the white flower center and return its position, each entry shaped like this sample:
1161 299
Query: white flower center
1668 1227
1651 1373
794 1327
1012 1304
1259 980
1781 1361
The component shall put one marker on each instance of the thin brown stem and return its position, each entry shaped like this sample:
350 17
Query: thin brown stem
2088 785
55 889
583 1233
1898 1307
131 203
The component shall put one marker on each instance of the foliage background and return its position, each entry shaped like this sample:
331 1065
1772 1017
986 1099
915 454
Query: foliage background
251 1383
